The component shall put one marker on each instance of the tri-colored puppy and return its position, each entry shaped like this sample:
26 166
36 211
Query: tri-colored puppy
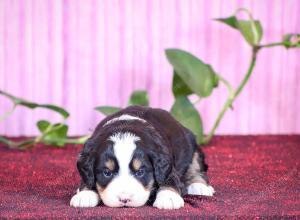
137 156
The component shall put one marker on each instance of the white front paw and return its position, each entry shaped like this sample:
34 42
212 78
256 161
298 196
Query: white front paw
200 189
168 199
85 198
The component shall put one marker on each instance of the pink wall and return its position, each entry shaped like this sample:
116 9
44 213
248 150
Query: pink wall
81 54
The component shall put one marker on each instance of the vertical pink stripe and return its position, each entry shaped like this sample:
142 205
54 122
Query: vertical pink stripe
297 86
65 42
121 53
3 106
92 45
21 59
148 38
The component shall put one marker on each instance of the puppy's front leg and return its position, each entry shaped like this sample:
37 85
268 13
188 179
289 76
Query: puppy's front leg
85 198
168 198
169 194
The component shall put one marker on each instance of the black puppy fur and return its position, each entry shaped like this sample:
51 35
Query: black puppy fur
170 148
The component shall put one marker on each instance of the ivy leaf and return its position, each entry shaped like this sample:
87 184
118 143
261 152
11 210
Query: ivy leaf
231 21
107 110
43 125
53 134
198 76
291 40
32 105
184 111
57 135
55 108
179 87
139 97
251 30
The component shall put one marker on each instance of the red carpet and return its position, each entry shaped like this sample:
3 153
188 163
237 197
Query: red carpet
254 176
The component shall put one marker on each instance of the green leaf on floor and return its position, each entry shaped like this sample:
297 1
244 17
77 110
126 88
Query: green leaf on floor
57 135
52 134
43 125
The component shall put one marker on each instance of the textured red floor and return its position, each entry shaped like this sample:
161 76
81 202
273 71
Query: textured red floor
253 176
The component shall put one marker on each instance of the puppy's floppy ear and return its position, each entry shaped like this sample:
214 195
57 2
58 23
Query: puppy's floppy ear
162 166
85 164
164 172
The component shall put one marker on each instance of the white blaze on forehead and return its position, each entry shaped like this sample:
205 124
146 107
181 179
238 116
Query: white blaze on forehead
124 117
124 185
124 146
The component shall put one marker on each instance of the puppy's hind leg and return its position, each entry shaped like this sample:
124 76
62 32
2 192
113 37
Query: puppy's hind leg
196 179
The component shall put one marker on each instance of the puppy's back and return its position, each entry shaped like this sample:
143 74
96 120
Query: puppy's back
182 142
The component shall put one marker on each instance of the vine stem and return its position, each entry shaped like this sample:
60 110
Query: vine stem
79 140
26 144
227 84
232 96
8 113
272 44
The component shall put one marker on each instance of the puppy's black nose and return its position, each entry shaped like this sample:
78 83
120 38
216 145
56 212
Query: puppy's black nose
124 200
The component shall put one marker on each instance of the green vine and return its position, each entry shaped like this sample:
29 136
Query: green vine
231 98
255 49
51 134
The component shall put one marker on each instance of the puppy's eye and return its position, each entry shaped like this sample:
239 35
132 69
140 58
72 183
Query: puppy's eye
140 172
107 173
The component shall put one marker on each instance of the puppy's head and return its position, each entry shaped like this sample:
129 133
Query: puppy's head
123 167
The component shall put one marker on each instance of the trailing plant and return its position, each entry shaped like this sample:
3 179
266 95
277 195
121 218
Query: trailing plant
193 76
190 76
54 134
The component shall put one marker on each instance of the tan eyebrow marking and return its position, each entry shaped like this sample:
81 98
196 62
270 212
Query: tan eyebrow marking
136 163
110 164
